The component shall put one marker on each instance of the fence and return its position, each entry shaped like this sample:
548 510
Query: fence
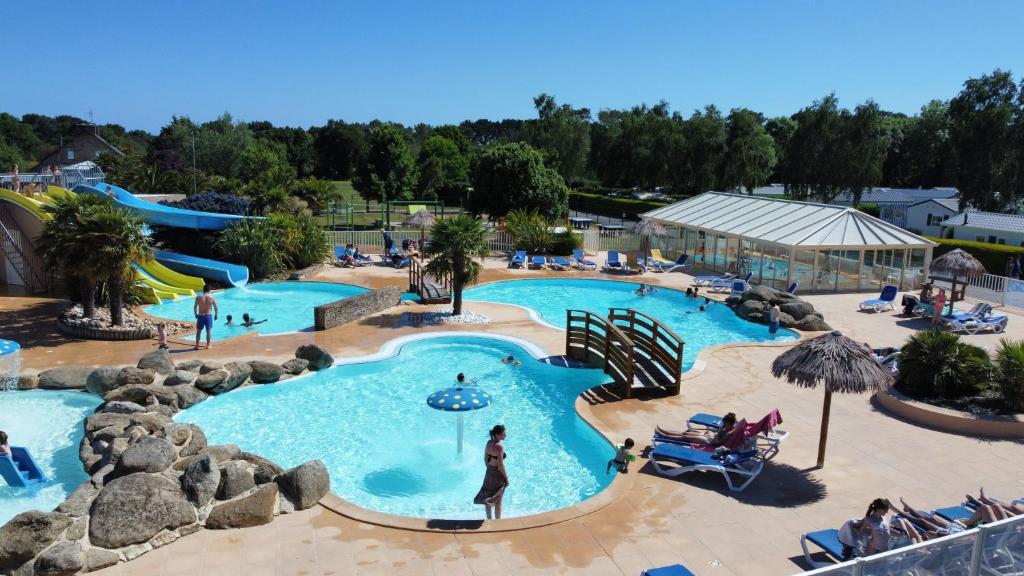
996 549
994 289
372 241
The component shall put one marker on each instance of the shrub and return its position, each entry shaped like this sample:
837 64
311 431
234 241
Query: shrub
611 207
565 242
529 231
992 256
253 243
300 239
938 364
1009 373
213 202
870 210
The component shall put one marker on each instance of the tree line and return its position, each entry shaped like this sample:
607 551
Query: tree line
974 141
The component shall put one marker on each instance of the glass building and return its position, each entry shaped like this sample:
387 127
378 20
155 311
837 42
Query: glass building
823 247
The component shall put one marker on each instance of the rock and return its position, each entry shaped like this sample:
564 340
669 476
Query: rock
102 380
89 454
236 478
255 509
99 477
64 377
210 366
753 305
265 372
191 365
152 421
101 420
79 528
108 434
121 407
158 361
223 452
141 394
285 506
196 442
189 529
98 558
211 380
295 366
751 308
61 559
263 470
77 504
238 373
134 551
177 434
134 508
760 294
188 395
200 480
305 484
317 356
163 539
149 454
135 377
797 308
180 377
28 534
28 381
812 323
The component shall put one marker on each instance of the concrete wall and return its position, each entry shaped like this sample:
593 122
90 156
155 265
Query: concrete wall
972 233
917 217
356 307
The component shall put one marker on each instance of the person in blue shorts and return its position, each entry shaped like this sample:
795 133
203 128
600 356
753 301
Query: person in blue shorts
205 310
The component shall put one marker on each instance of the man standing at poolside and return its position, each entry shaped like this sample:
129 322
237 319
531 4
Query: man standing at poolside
205 303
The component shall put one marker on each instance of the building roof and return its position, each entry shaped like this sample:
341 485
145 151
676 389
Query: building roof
786 222
951 204
899 195
987 221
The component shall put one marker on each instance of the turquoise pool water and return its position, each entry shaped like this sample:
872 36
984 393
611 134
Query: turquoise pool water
49 424
550 299
287 306
386 450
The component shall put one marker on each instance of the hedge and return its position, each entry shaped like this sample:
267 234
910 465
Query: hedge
611 207
992 256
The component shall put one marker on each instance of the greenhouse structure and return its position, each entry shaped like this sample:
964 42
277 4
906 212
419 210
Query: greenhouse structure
822 247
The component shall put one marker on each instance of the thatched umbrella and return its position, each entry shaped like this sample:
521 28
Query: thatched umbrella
839 363
647 229
957 263
422 219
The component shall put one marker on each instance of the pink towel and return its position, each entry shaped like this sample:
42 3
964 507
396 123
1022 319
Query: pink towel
742 432
765 425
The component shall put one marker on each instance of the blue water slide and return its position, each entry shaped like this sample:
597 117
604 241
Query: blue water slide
20 470
230 274
162 215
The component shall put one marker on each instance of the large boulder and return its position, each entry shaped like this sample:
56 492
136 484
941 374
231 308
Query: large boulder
305 484
101 420
134 508
238 373
263 470
200 480
188 395
28 534
98 559
318 357
77 504
61 559
753 305
135 376
143 395
193 365
797 308
295 366
255 509
236 477
121 407
149 454
812 323
180 377
209 366
158 361
223 452
102 380
211 380
64 378
265 372
196 442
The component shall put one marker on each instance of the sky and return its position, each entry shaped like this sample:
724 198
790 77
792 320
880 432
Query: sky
300 63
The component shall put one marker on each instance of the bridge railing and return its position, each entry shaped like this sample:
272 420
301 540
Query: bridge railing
654 340
418 274
592 338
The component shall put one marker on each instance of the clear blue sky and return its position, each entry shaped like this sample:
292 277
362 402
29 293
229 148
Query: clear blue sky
302 62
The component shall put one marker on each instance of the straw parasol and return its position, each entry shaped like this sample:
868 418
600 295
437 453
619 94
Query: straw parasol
957 263
841 364
647 229
421 219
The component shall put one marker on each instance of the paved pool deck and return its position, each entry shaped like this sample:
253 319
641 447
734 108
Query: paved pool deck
693 520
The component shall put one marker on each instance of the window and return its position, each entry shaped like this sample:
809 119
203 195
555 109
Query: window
1002 240
979 238
71 153
991 239
930 221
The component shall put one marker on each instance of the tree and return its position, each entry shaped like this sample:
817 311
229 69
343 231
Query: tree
929 153
458 137
338 148
118 241
510 176
980 130
387 172
703 151
66 248
637 147
219 144
441 166
814 152
750 154
863 141
563 134
315 192
454 243
781 129
263 156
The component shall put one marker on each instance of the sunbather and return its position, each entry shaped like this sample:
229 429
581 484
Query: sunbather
707 438
1011 509
983 514
869 535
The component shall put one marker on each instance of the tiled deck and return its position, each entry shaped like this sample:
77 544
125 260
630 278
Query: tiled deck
694 520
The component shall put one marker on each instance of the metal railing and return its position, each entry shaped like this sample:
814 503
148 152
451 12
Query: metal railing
995 549
992 288
20 252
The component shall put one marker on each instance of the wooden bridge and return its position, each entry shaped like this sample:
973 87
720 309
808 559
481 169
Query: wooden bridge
431 290
637 351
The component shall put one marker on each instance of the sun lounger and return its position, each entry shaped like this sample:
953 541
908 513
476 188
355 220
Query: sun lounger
579 260
741 464
792 287
955 513
662 265
709 280
739 287
559 263
828 541
995 323
768 441
519 260
673 570
612 262
538 262
884 300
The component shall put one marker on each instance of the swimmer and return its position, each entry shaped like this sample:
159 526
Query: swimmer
230 322
641 291
702 308
707 300
511 361
249 322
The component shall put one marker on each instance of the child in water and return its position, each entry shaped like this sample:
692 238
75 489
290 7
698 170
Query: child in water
511 361
622 457
230 322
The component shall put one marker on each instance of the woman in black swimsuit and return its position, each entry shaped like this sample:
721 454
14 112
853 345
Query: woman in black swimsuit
496 478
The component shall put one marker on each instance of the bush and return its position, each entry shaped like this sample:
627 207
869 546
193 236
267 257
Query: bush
216 202
253 243
992 256
300 239
565 242
935 364
1009 373
870 210
529 231
611 207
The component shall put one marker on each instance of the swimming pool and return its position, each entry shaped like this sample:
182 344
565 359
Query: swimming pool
550 298
287 306
386 450
49 424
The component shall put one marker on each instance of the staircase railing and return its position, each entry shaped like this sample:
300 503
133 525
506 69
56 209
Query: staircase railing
22 254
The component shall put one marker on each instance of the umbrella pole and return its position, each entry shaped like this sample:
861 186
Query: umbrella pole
825 410
459 433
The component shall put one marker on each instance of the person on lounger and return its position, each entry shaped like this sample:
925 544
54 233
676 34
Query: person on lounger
870 535
708 438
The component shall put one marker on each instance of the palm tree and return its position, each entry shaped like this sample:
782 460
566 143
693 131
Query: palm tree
66 249
454 243
118 242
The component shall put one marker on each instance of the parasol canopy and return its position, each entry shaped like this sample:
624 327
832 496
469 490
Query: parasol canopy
460 400
647 229
421 219
958 264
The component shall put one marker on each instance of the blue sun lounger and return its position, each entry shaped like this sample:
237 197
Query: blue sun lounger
661 266
579 259
560 263
828 541
743 464
612 262
538 262
519 260
884 300
673 570
792 287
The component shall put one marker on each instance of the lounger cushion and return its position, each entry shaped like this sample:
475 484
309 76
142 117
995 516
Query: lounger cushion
827 540
874 302
706 420
673 570
955 513
685 455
